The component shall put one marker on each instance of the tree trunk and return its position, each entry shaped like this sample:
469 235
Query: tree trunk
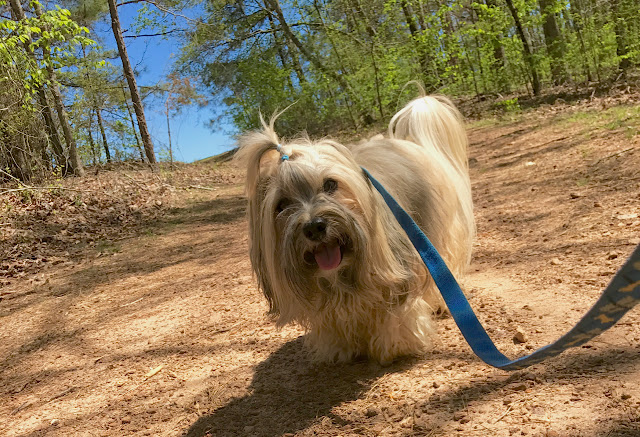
275 6
357 7
92 143
448 43
133 125
622 49
131 80
498 63
574 13
528 55
169 130
52 130
49 123
474 19
74 158
553 41
280 46
343 66
415 34
19 159
409 18
105 144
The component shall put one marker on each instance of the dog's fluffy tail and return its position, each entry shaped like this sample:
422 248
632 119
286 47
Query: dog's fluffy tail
433 121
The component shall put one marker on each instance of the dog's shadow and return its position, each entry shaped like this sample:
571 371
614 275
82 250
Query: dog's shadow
288 393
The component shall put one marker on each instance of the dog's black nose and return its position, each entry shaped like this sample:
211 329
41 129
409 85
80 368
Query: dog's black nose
315 229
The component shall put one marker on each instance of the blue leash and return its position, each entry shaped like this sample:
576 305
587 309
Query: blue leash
622 294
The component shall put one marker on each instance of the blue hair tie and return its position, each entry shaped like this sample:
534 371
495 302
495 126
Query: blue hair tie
283 156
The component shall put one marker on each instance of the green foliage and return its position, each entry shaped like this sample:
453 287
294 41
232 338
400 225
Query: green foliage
54 32
509 106
335 64
353 58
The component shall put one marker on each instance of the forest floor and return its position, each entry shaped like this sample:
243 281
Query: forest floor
128 305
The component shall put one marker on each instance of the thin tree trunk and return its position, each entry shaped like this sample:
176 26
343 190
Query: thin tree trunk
74 158
19 160
49 123
105 144
169 130
415 34
131 80
409 18
420 13
52 130
133 125
573 13
357 7
474 20
473 72
528 55
92 143
554 43
275 6
281 54
622 49
343 66
449 36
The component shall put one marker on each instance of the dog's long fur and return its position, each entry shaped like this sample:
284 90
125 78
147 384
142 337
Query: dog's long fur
380 300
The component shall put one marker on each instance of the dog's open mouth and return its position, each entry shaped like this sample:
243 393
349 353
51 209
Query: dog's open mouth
327 256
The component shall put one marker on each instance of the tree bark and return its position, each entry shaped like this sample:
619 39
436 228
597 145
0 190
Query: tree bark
105 144
131 81
622 49
342 64
133 125
280 47
19 161
52 130
528 55
357 8
74 158
415 34
553 41
574 12
274 5
92 143
47 114
499 60
169 130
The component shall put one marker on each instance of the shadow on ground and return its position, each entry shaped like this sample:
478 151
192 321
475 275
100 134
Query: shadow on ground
288 393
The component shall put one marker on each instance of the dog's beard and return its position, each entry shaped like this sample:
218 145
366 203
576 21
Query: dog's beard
315 270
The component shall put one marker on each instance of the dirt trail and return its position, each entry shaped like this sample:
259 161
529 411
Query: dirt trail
166 335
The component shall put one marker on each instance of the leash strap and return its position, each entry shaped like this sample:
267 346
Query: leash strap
622 294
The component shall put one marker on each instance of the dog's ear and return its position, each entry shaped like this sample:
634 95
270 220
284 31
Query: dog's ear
258 153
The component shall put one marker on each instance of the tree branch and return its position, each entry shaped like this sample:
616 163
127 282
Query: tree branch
163 9
144 35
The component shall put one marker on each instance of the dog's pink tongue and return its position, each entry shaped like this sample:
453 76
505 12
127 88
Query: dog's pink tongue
328 256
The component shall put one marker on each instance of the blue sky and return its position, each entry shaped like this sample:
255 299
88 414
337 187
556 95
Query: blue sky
153 57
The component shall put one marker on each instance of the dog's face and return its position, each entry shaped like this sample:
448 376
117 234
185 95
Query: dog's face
312 219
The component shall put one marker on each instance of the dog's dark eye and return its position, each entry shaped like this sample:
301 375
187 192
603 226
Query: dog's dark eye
283 204
330 186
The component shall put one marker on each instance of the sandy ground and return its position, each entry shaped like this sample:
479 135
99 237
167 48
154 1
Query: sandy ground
165 334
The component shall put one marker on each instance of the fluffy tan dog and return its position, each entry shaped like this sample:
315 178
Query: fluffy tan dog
326 250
